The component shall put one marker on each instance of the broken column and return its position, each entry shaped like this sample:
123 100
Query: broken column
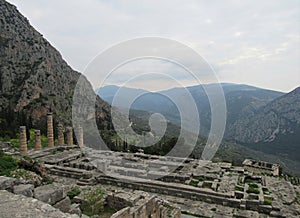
50 134
61 138
69 136
23 140
80 136
37 140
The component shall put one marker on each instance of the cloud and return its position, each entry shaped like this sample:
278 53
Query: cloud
231 35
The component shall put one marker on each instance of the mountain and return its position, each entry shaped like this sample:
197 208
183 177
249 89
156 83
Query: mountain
241 100
34 78
265 122
273 128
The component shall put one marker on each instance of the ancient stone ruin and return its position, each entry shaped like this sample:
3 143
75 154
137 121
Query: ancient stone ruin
240 191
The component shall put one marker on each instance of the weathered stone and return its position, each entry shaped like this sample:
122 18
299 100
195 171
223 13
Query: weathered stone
64 205
26 190
60 137
7 183
75 209
50 134
80 136
23 140
78 199
20 206
69 136
37 140
50 194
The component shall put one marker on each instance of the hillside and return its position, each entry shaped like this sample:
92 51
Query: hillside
274 128
34 78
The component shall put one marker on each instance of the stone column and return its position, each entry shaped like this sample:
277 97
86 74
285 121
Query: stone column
69 136
23 140
50 134
80 136
61 138
37 140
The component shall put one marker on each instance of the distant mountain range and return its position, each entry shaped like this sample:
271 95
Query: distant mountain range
264 120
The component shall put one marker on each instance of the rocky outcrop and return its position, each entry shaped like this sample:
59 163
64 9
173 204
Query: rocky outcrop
279 117
34 78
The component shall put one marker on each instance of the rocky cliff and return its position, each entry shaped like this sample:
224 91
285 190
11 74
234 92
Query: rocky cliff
34 79
281 116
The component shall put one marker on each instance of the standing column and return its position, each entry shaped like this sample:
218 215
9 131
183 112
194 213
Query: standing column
23 140
80 136
69 136
61 138
37 140
50 130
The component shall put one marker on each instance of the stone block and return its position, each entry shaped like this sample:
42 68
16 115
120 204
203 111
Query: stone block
75 209
50 194
26 190
63 205
7 183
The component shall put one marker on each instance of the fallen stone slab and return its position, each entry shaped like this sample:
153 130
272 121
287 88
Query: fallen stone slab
50 194
12 205
26 190
7 183
63 205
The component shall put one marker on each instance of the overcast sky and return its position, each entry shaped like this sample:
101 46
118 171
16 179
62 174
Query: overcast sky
251 42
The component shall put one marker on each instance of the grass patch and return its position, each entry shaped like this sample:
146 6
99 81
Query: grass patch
268 201
7 164
194 183
253 190
238 188
253 185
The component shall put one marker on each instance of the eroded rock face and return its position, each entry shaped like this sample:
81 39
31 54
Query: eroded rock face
33 76
20 206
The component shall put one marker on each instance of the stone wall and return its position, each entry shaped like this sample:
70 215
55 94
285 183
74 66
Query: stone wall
153 207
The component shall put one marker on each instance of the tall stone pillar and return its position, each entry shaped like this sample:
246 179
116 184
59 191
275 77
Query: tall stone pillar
69 136
50 134
61 138
37 140
80 136
23 140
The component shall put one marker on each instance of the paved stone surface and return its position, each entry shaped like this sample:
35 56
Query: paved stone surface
19 206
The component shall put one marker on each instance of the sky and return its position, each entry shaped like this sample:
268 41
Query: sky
247 42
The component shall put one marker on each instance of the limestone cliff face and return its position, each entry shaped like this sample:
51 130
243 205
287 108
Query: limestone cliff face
33 76
280 117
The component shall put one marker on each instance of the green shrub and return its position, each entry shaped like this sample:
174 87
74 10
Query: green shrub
7 164
74 192
93 203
